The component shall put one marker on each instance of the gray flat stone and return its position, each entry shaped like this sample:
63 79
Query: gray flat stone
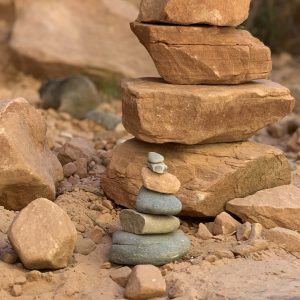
158 168
155 158
155 203
131 249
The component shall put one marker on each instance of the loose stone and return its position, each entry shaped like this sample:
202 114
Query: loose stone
158 168
121 276
155 158
243 231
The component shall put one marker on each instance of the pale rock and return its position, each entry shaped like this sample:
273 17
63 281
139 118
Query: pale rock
249 247
16 290
256 231
159 168
204 54
43 235
121 276
193 114
225 224
84 246
275 207
145 282
29 169
155 158
203 233
210 175
243 231
165 183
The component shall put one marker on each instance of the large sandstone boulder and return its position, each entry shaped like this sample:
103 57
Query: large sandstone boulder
43 235
204 54
28 169
53 38
210 175
187 12
157 112
276 207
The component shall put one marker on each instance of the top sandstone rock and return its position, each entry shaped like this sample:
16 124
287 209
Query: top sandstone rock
187 12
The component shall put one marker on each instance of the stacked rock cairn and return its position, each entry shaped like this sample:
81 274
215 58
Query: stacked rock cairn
150 233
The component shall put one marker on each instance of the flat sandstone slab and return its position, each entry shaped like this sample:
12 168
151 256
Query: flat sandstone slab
210 175
187 12
157 112
204 55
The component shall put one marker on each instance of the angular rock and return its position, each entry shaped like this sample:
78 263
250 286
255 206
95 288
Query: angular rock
138 223
210 175
43 235
155 158
58 38
163 183
249 247
158 249
276 207
256 230
155 203
29 169
243 231
204 54
203 233
218 13
145 282
84 246
225 224
121 276
286 238
193 114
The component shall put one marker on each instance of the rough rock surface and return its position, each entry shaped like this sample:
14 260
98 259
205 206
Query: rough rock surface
219 13
157 112
29 169
204 54
53 38
43 235
275 207
225 224
210 175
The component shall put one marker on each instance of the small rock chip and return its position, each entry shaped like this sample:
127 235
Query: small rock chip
104 219
225 224
81 166
256 230
243 231
106 265
69 169
155 158
9 256
224 254
145 282
138 223
16 290
158 168
286 238
96 235
250 246
150 202
34 275
163 183
203 233
121 276
84 246
20 280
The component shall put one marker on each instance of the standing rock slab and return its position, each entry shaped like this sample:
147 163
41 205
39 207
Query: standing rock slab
138 223
275 207
204 54
156 249
187 12
43 235
157 112
225 224
210 175
29 169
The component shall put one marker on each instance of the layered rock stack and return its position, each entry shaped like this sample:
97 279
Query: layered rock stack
212 97
150 233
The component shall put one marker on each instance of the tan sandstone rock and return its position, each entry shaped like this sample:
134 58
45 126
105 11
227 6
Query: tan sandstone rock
210 175
43 235
187 12
29 169
157 112
275 207
204 54
225 224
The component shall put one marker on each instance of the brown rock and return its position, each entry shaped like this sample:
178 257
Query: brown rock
203 233
256 230
210 175
69 169
287 239
225 224
121 276
249 247
84 246
243 232
145 282
28 168
55 38
43 235
157 112
276 207
204 55
81 166
165 183
219 13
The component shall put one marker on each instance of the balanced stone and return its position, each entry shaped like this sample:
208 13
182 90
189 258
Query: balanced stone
201 114
138 223
181 12
155 158
150 202
163 183
158 168
131 249
204 54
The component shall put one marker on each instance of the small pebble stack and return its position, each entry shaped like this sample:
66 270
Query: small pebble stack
150 233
